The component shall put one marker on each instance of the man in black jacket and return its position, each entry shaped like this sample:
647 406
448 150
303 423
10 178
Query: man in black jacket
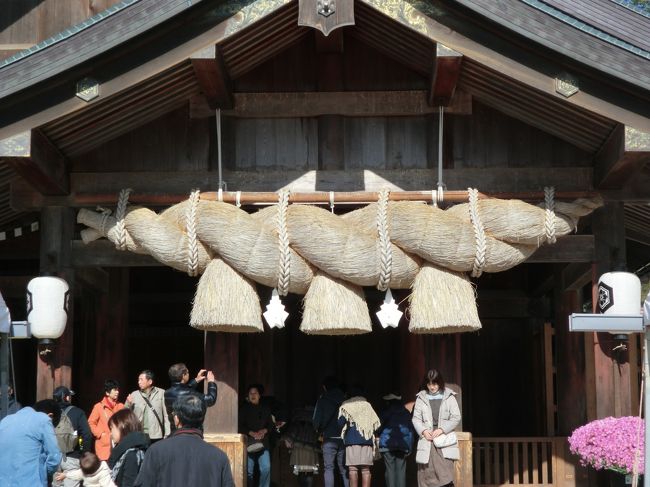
63 396
179 376
184 458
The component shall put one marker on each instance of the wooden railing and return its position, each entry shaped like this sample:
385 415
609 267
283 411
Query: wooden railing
529 461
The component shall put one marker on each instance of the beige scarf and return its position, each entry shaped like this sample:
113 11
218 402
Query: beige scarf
358 412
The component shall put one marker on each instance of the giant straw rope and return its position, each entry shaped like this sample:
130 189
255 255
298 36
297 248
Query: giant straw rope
310 250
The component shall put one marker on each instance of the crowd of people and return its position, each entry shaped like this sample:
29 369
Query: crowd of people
155 438
117 444
351 436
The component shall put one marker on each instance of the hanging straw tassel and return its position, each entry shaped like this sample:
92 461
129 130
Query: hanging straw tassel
442 302
226 301
334 307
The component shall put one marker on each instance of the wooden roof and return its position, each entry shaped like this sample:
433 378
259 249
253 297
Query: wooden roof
140 55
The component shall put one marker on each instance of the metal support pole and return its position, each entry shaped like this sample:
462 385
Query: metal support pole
4 374
646 370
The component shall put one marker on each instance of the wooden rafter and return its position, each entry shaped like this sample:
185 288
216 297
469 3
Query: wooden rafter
37 160
444 76
622 156
212 76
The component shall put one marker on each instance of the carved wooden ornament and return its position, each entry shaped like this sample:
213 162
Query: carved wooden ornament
325 15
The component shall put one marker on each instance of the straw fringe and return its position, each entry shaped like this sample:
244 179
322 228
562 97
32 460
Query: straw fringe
226 301
334 307
442 302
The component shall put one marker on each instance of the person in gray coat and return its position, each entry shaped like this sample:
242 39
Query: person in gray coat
435 413
148 404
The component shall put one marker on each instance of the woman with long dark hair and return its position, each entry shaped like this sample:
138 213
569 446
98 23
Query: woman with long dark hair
130 443
435 414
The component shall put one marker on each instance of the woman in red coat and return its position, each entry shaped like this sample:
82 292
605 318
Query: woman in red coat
101 413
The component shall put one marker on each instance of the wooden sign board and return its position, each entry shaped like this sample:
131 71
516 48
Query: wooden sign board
325 15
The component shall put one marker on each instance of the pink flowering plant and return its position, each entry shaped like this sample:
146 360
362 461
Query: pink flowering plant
610 443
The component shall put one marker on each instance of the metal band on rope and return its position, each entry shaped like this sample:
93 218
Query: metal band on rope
549 218
385 250
122 203
283 242
192 242
479 233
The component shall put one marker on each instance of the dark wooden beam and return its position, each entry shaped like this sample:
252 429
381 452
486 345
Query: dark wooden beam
56 231
576 275
319 103
23 197
221 355
94 278
346 103
102 253
570 248
444 76
625 152
37 160
211 73
610 375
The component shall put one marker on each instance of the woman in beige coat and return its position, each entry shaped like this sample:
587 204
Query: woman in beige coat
435 413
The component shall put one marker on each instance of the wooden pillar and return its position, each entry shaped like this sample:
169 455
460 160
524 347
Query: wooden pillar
105 352
55 368
570 362
609 390
222 357
419 353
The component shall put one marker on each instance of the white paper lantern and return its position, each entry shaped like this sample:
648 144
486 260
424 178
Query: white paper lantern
47 306
619 293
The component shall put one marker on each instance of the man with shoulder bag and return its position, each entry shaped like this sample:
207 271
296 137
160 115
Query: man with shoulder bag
148 404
